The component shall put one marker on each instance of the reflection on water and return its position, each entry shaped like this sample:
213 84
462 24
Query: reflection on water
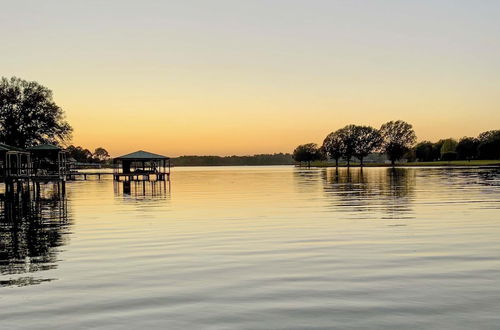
365 193
33 226
142 189
258 248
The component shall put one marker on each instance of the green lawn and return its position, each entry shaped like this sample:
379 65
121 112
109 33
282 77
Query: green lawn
436 163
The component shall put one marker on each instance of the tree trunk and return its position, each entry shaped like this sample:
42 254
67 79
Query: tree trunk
309 164
361 161
393 162
336 162
348 163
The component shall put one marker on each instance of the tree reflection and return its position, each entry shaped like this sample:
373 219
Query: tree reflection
400 192
33 225
349 188
371 193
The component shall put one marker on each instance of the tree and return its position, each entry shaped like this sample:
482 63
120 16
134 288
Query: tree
80 154
449 145
467 148
436 150
101 154
29 116
333 146
348 136
367 140
398 137
489 145
448 149
307 153
424 151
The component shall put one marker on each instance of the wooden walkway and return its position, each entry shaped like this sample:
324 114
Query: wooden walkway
73 176
161 176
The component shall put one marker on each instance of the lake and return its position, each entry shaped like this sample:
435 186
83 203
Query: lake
258 248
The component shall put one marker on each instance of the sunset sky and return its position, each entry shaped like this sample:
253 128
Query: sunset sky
245 77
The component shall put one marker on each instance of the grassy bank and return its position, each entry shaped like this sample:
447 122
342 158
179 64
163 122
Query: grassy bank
418 164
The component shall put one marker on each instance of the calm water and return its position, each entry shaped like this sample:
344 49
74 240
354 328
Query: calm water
258 248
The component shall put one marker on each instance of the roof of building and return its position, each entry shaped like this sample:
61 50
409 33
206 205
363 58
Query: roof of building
6 147
141 155
45 146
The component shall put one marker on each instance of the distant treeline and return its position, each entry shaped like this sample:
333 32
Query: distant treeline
264 159
82 155
397 140
485 146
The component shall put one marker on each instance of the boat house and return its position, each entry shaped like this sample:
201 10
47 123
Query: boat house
141 166
15 163
49 160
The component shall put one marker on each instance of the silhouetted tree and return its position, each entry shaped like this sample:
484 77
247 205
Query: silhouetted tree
448 149
398 138
333 145
348 136
436 149
101 154
467 148
449 145
367 140
424 152
80 154
29 115
307 153
489 145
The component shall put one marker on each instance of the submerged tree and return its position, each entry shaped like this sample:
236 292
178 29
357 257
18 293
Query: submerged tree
307 153
398 137
29 115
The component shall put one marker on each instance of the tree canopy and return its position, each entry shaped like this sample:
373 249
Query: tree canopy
467 148
489 145
307 153
424 151
368 140
333 146
29 116
101 154
398 137
348 134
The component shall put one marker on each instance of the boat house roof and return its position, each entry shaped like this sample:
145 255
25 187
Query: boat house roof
141 155
6 147
45 146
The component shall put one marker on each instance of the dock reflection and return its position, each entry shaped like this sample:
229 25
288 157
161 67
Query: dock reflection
34 225
142 189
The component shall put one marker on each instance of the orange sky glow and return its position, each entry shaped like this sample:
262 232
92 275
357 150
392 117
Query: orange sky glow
185 78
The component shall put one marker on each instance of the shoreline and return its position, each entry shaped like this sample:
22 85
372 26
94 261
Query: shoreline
444 164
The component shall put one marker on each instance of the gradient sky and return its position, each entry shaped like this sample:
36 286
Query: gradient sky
245 77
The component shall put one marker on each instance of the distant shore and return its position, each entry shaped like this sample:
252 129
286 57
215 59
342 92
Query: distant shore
453 163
